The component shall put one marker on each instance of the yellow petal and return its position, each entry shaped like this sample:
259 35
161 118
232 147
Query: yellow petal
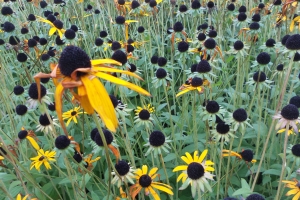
153 193
100 101
297 196
181 167
58 103
122 82
18 197
153 171
202 156
105 61
162 188
180 176
292 26
86 105
185 91
185 159
145 169
196 156
130 21
293 191
33 143
52 31
106 69
189 157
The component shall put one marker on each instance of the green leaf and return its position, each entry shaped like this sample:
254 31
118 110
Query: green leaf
242 191
7 177
245 184
170 157
272 171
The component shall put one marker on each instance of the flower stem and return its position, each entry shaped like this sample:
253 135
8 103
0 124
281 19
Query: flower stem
165 171
283 161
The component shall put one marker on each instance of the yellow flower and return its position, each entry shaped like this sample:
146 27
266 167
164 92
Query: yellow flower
43 158
76 70
195 172
1 158
53 28
19 197
295 20
195 83
295 188
290 131
89 161
149 108
145 180
72 115
246 155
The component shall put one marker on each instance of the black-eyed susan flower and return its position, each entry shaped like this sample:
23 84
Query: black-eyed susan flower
239 119
30 136
196 172
293 153
238 48
125 173
195 83
43 158
56 26
66 145
288 116
212 110
34 98
222 132
72 115
146 181
161 78
295 188
76 70
246 155
45 124
98 145
157 142
259 79
19 197
143 115
88 161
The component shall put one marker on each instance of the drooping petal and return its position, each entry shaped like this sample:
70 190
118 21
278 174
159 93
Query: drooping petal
122 82
86 105
184 91
293 191
33 143
154 194
52 31
100 101
58 105
297 196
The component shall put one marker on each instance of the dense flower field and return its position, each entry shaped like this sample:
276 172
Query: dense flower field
149 99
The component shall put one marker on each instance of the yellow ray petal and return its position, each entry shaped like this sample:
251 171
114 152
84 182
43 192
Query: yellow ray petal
185 159
297 196
196 156
100 101
202 156
292 26
106 69
52 31
105 61
86 105
58 104
189 157
33 143
153 171
180 176
130 21
180 167
145 169
162 188
293 191
153 193
122 82
183 92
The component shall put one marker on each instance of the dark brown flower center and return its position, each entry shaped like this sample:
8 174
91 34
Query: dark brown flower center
145 181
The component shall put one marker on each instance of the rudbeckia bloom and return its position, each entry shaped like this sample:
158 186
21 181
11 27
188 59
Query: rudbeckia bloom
125 173
246 155
143 116
145 180
195 172
289 116
43 158
295 188
76 70
72 115
56 26
195 83
29 135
